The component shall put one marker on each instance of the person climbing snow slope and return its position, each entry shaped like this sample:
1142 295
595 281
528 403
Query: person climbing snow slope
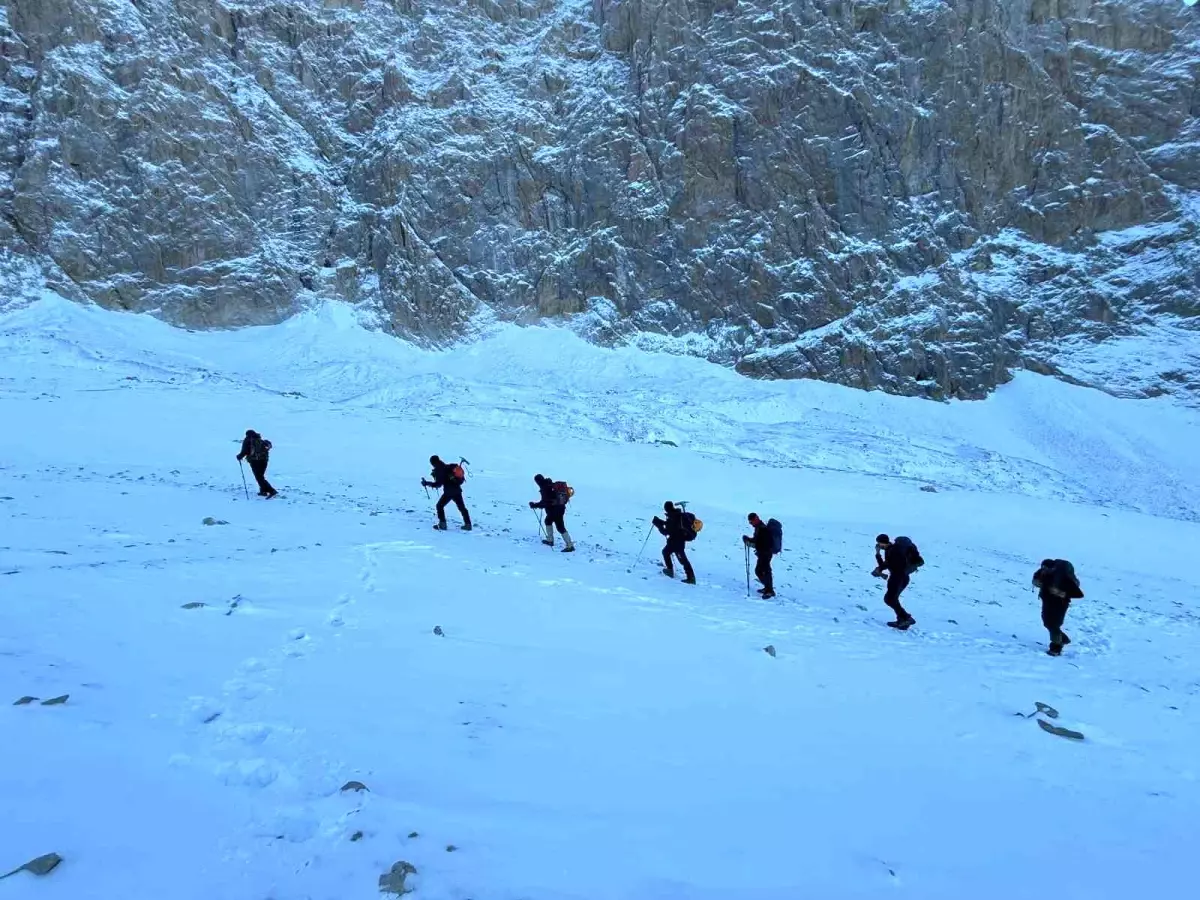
763 543
554 499
900 559
1057 586
256 450
449 477
678 528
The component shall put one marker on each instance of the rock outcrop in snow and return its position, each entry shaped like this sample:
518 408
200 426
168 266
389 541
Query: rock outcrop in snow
913 195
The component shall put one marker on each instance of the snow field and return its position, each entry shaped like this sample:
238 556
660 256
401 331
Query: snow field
579 730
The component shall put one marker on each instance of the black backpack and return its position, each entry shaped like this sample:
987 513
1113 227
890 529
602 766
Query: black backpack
691 525
1063 579
775 528
259 448
912 556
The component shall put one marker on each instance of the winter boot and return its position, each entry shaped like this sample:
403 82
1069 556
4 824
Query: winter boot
548 542
440 526
1054 650
466 526
570 548
668 571
767 595
690 580
903 624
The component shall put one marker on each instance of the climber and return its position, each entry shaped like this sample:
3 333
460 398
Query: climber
900 559
764 547
257 451
1057 586
676 528
555 496
449 477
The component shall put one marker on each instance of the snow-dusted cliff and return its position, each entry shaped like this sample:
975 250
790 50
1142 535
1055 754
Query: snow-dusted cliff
915 195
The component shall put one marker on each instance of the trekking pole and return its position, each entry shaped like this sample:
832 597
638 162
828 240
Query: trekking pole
643 550
538 519
747 549
245 487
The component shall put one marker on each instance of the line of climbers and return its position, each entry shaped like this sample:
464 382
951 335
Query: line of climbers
895 560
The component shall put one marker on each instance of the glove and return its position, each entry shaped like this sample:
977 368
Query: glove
746 540
657 521
424 483
239 459
878 572
532 505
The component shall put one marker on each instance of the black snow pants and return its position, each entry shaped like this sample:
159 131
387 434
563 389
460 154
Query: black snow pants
1054 613
677 547
762 571
259 468
897 582
555 518
452 494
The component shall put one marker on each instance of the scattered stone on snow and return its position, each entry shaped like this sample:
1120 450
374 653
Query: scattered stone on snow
392 881
769 649
354 786
929 489
1047 709
25 701
450 848
437 629
43 865
209 520
413 834
357 836
56 701
195 604
1060 731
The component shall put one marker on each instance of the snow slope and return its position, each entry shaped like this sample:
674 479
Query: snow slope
584 728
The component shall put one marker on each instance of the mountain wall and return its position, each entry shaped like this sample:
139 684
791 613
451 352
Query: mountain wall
912 195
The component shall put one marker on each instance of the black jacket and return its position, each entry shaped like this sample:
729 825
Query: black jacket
248 446
549 496
673 527
895 560
761 540
443 477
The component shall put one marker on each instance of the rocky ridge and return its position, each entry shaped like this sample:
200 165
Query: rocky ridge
913 195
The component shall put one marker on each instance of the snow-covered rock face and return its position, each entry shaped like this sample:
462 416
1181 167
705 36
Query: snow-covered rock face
913 195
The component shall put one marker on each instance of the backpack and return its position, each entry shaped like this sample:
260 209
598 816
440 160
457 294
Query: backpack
563 493
459 473
258 448
691 526
775 528
1063 579
912 555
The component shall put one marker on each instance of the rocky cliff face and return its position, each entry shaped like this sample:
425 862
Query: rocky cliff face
914 195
